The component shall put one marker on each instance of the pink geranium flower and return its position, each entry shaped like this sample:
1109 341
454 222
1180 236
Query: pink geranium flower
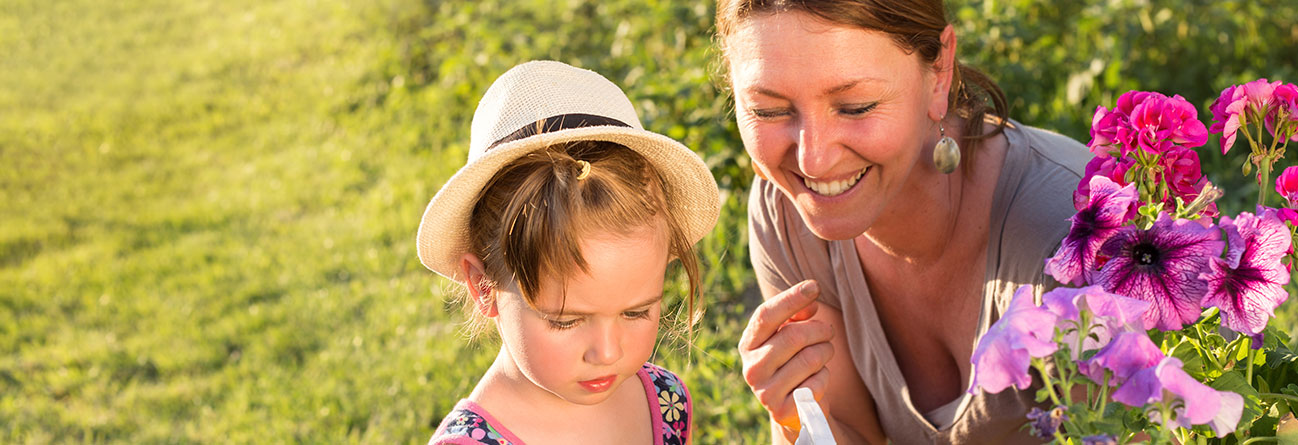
1004 353
1158 120
1161 265
1198 404
1108 208
1128 353
1231 109
1283 116
1248 284
1287 185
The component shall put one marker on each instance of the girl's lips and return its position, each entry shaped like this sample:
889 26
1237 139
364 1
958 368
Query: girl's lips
598 385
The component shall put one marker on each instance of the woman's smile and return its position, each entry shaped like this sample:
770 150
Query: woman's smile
834 188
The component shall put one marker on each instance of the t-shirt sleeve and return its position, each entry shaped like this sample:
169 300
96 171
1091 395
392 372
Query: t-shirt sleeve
767 243
783 250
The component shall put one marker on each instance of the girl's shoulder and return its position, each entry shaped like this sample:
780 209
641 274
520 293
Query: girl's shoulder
469 424
675 408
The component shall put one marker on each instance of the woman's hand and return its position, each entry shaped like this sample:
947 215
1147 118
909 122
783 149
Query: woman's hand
783 349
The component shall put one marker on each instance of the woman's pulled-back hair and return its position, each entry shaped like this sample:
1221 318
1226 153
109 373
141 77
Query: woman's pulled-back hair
532 215
915 26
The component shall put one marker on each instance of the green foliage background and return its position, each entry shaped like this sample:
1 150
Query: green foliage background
207 208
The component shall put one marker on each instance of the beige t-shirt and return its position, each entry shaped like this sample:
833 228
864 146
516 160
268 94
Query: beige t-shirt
1030 215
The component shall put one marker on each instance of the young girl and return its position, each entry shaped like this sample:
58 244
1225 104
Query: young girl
561 227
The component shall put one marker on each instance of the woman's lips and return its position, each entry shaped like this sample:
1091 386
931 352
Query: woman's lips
598 385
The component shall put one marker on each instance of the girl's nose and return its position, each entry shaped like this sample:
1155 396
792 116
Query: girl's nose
606 346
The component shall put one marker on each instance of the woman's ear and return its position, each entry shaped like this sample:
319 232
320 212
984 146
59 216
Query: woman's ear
480 288
944 68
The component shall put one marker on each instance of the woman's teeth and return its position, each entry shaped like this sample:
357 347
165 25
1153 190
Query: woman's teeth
833 188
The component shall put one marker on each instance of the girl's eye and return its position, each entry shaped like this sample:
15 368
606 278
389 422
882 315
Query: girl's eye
560 325
857 110
635 315
769 113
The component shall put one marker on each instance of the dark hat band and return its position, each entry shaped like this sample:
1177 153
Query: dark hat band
556 123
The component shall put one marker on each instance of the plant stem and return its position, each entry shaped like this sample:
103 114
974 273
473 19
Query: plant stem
1278 396
1248 373
1259 439
1045 380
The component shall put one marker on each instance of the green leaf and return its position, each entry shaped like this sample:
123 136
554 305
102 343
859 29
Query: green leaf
1234 381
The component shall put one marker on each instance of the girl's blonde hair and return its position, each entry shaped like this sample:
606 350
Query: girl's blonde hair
531 216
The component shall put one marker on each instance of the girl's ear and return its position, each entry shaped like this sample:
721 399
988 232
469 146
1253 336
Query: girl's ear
944 68
480 288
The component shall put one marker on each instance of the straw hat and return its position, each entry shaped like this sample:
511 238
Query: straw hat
567 104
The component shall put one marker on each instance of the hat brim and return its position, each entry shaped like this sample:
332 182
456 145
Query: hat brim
444 229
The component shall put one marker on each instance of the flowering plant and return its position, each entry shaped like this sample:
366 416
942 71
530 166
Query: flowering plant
1161 330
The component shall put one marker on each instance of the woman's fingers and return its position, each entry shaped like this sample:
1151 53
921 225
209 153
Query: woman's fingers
783 349
777 310
802 370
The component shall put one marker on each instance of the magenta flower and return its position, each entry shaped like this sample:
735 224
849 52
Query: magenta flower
1248 284
1128 353
1231 109
1161 265
1166 382
1109 207
1148 120
1159 119
1287 185
1004 353
1114 168
1290 216
1282 121
1110 314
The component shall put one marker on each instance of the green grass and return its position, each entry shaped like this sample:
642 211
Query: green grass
208 208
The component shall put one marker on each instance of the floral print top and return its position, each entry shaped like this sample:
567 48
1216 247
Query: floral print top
669 401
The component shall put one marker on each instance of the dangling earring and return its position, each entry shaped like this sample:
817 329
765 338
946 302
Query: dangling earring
946 154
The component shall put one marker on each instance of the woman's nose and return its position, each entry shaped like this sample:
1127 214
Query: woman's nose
606 346
816 151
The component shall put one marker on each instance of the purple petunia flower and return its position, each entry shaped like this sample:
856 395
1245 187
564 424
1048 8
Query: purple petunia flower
1046 423
1248 284
1128 353
1110 314
1161 265
1109 207
1004 353
1199 405
1100 439
1114 168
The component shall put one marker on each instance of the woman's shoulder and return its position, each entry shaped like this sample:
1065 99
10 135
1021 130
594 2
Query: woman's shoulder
1053 150
468 424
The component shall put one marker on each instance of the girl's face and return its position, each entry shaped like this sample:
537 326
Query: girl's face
583 347
835 116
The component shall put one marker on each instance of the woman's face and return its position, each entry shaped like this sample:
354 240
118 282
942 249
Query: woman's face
835 116
582 344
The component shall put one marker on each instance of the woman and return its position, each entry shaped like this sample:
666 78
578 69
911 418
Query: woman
881 267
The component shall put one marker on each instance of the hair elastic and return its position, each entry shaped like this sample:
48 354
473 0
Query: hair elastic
585 169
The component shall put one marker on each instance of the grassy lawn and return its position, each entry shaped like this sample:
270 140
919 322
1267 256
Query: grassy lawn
208 208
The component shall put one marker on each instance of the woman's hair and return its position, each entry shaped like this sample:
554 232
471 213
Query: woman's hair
532 215
915 26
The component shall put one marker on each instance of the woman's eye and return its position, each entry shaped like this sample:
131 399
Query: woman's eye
857 110
769 113
560 325
633 315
